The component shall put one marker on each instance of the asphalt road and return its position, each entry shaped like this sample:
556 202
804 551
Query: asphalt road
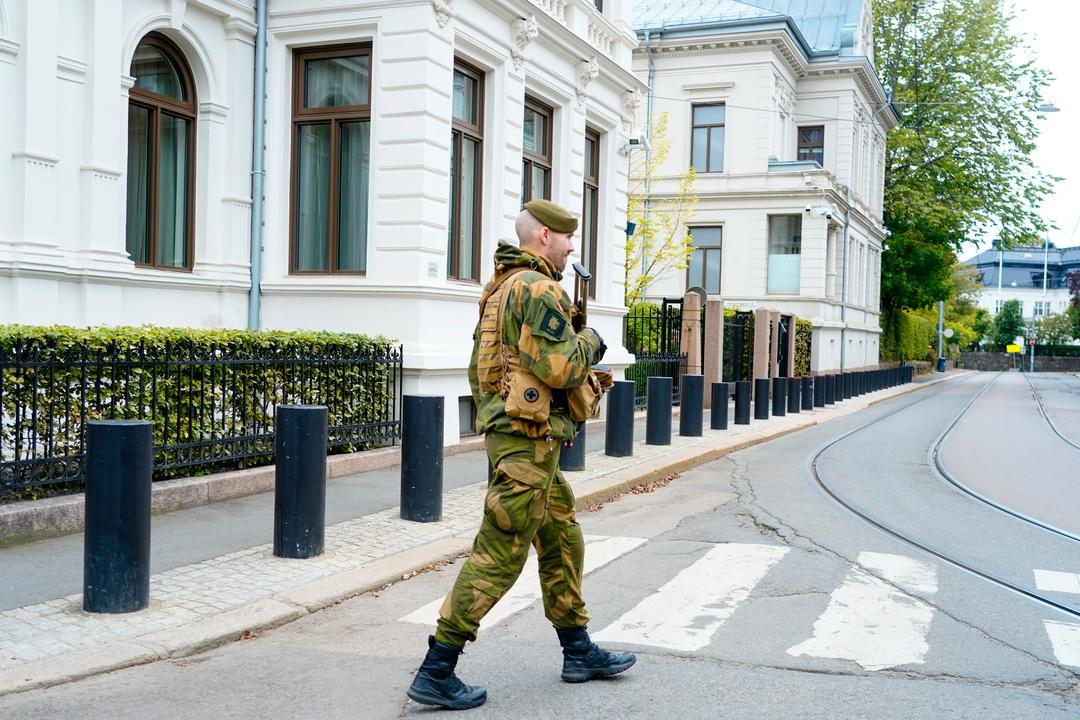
745 589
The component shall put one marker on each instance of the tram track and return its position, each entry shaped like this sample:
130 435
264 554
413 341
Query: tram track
812 468
1045 415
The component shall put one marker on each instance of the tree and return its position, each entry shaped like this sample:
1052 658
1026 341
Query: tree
1074 304
660 242
1009 323
1054 329
960 160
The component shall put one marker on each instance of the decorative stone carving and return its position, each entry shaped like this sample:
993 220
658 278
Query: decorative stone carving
785 95
525 30
631 101
587 71
443 10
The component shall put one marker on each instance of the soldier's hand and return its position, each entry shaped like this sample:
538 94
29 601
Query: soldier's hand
599 355
577 316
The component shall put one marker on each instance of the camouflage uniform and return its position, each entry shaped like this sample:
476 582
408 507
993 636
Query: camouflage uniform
528 499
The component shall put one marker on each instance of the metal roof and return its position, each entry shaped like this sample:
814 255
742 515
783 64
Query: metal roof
828 26
1024 266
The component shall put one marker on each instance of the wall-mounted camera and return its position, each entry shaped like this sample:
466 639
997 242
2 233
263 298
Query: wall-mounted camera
641 142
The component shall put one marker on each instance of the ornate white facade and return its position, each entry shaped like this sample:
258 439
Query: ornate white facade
771 82
63 185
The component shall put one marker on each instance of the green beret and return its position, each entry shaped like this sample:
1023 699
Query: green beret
550 214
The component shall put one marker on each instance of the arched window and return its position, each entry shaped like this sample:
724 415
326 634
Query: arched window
161 157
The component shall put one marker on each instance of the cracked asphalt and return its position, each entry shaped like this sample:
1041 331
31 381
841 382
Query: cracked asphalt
987 653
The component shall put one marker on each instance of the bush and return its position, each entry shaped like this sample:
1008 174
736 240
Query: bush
804 333
210 394
906 336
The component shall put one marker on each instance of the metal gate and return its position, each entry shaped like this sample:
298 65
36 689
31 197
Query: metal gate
654 335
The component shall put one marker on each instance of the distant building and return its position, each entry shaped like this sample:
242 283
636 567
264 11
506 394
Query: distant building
778 107
1035 276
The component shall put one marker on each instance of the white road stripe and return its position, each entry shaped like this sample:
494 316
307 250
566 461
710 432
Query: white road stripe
1056 581
1065 637
599 551
869 621
684 613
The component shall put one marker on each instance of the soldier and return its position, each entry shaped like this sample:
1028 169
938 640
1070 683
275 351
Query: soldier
528 350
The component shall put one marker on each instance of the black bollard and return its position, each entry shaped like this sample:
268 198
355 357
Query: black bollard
779 396
808 393
847 385
794 394
619 431
300 480
116 544
692 405
422 458
742 402
819 391
658 411
719 417
572 454
830 389
761 398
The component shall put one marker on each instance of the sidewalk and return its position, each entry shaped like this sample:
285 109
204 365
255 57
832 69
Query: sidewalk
198 605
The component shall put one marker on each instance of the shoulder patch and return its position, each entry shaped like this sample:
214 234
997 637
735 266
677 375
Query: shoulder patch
553 324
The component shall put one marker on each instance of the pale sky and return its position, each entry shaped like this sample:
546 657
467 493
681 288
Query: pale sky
1050 26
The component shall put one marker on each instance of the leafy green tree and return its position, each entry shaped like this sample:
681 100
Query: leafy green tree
1054 329
1009 323
960 161
660 242
1073 310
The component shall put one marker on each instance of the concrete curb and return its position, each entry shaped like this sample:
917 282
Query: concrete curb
300 601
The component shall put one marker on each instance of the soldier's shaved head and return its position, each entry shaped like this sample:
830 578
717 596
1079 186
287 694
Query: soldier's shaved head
528 229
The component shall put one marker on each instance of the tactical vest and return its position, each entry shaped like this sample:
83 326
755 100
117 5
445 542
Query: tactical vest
495 359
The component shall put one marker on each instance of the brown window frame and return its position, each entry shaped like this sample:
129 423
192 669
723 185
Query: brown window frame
335 115
189 110
590 237
708 137
801 144
460 129
530 159
705 258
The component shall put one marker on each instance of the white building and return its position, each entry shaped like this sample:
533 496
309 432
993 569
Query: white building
1035 276
399 140
778 107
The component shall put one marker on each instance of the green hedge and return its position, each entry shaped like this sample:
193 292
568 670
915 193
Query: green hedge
210 395
906 336
804 333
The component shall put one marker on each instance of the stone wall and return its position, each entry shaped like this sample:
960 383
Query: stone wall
1005 361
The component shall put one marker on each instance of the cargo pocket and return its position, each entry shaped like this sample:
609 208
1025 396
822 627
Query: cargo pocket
515 499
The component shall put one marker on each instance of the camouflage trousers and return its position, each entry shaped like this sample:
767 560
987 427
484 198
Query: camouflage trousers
528 503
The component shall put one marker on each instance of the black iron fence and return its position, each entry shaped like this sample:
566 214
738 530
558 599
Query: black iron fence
738 359
653 333
212 406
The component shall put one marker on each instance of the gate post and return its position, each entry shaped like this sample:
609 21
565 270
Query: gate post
714 345
690 335
761 365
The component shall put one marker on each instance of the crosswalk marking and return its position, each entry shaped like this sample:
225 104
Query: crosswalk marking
870 621
684 613
1056 581
1065 637
599 551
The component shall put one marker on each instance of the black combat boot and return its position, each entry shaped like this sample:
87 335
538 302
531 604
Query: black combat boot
584 660
436 684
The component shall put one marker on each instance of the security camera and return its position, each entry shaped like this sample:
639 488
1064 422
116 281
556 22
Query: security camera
641 142
828 216
808 209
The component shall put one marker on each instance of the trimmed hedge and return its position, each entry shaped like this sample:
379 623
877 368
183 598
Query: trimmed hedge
906 336
210 394
804 333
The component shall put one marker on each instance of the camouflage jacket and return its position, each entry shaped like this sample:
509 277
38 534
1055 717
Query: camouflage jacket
537 324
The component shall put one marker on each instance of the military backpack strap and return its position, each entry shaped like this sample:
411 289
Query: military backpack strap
492 361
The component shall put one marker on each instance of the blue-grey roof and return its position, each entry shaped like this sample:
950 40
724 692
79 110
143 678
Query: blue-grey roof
827 26
1024 266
